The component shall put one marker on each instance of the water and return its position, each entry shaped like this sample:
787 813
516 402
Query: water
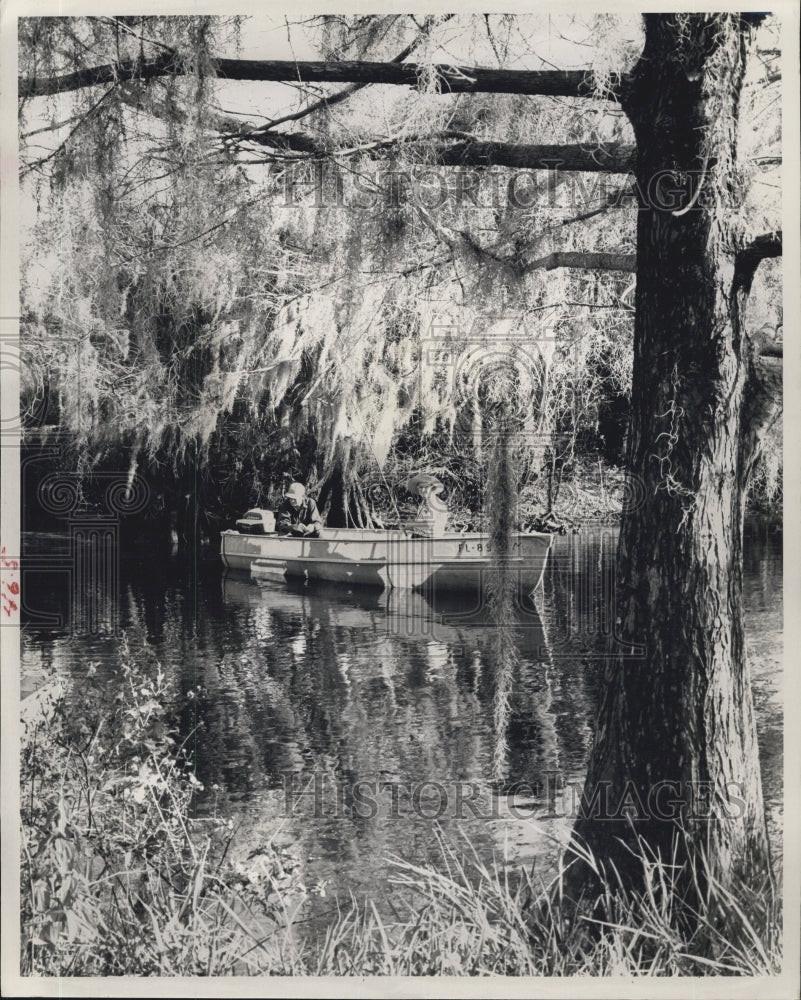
347 728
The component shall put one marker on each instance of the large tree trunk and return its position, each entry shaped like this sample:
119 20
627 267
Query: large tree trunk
676 736
332 498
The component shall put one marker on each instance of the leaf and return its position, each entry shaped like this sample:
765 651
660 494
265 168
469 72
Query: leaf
41 897
139 793
51 932
73 925
113 783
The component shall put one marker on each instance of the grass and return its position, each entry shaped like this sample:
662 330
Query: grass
119 878
469 920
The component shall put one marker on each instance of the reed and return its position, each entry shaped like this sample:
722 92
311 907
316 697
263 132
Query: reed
471 920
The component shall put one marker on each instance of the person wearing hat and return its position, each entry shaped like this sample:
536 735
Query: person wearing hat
298 514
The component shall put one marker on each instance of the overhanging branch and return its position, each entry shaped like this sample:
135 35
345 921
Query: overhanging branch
438 149
767 245
451 79
441 149
333 99
616 158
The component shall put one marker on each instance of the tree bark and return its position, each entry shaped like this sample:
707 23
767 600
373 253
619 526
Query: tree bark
676 737
340 499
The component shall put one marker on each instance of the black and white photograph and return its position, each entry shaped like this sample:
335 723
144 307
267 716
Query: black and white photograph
400 502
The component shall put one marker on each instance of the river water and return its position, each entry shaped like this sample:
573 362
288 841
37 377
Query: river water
350 728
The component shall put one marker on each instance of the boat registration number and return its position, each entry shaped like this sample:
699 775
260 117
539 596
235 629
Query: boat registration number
478 548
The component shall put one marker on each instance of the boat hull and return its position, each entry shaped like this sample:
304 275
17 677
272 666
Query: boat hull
385 559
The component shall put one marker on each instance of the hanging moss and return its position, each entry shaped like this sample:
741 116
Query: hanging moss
192 308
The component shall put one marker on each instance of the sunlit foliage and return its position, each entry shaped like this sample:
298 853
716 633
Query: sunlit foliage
187 287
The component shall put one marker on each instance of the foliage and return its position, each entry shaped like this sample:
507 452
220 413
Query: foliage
187 292
118 875
471 920
211 298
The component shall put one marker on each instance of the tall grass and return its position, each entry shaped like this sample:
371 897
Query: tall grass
118 877
471 920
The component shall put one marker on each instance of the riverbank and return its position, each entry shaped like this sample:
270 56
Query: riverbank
590 493
121 876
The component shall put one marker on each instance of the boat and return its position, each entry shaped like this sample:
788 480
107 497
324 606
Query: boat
384 559
418 555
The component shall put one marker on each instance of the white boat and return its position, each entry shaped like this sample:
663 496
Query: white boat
386 558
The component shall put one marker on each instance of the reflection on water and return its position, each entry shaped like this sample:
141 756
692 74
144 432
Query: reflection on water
347 727
371 717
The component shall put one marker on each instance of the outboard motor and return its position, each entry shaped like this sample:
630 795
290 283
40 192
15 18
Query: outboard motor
256 522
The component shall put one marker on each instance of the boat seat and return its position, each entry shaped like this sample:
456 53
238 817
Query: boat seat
428 526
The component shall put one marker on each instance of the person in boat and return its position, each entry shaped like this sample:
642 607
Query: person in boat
298 514
432 514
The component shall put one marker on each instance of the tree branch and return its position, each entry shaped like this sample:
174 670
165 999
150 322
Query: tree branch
767 245
613 200
465 151
37 164
468 152
750 257
343 95
583 259
451 79
617 158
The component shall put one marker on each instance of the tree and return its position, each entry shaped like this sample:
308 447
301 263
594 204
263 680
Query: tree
679 710
678 719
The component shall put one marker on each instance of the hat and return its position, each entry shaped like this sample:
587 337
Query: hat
296 491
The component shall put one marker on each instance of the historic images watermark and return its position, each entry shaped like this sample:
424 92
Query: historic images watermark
87 565
551 796
548 183
86 568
